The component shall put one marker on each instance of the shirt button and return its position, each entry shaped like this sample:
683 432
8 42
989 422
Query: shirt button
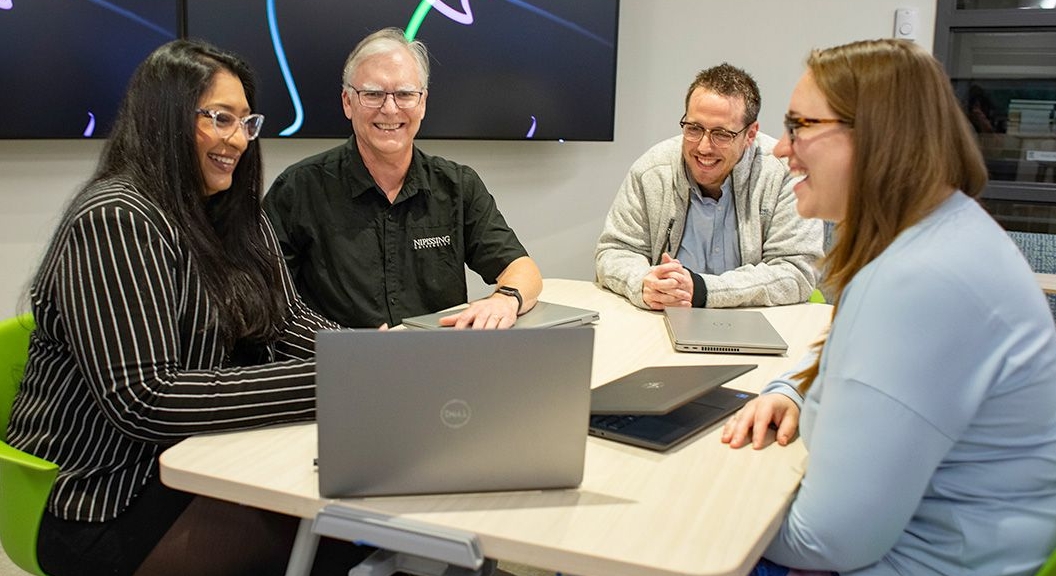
392 300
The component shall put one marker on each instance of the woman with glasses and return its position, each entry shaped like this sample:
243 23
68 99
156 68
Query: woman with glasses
928 408
163 310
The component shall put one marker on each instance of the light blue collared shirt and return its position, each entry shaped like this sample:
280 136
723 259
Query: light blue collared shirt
709 243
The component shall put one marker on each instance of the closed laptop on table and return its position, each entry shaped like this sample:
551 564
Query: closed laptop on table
661 406
412 412
542 315
722 331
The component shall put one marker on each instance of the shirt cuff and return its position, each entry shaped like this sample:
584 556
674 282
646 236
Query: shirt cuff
700 290
785 387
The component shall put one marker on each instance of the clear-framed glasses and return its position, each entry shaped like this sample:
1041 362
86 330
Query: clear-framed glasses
376 98
793 123
225 123
720 137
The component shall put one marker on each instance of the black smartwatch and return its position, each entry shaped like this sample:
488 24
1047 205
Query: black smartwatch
511 291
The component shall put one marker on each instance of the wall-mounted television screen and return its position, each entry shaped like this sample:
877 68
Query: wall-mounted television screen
66 63
500 69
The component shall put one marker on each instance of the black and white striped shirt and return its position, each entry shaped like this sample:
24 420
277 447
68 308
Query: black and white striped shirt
124 364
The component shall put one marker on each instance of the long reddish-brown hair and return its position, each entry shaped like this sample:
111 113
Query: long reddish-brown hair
913 146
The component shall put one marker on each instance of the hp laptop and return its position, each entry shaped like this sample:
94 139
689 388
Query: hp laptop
661 406
722 331
412 412
542 315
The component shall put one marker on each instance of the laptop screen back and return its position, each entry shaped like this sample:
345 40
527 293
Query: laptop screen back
632 409
409 412
661 389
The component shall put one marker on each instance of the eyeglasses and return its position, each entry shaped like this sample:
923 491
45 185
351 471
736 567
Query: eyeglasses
720 137
376 98
225 123
793 123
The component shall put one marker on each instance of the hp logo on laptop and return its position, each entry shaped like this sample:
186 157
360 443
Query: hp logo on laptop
654 385
455 414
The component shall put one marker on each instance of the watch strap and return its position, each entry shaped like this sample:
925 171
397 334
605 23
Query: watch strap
511 291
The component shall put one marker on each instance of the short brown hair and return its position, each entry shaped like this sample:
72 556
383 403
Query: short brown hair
730 81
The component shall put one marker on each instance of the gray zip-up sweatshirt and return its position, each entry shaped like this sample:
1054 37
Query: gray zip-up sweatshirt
778 247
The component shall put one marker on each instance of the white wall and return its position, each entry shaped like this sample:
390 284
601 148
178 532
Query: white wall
554 195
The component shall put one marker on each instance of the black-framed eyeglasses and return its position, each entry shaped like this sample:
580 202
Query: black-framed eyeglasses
793 123
225 123
720 137
376 98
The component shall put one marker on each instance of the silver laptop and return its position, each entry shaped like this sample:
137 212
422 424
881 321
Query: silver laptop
722 331
413 412
661 406
542 315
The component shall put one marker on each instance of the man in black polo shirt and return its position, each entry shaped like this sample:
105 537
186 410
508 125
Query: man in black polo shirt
375 230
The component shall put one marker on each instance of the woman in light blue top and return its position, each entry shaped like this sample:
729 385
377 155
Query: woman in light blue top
930 408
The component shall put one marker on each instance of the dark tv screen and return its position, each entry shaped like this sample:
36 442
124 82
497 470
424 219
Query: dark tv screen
66 63
500 69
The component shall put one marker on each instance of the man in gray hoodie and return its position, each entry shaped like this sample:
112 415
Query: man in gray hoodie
708 218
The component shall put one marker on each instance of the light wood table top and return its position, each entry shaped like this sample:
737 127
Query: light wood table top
700 509
1047 282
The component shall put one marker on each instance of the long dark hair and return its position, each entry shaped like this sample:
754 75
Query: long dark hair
152 145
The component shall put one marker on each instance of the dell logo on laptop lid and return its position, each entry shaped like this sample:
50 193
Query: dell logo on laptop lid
455 413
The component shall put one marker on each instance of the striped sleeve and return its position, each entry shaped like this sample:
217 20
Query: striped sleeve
298 339
124 290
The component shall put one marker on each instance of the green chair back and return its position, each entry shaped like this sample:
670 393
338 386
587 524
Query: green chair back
14 349
1049 569
25 480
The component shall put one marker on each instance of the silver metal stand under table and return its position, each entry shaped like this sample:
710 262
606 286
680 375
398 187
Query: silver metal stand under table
403 545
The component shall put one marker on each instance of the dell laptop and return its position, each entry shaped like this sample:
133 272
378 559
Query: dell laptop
722 331
542 315
661 406
435 411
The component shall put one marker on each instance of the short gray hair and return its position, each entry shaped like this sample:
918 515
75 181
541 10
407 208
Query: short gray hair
382 42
